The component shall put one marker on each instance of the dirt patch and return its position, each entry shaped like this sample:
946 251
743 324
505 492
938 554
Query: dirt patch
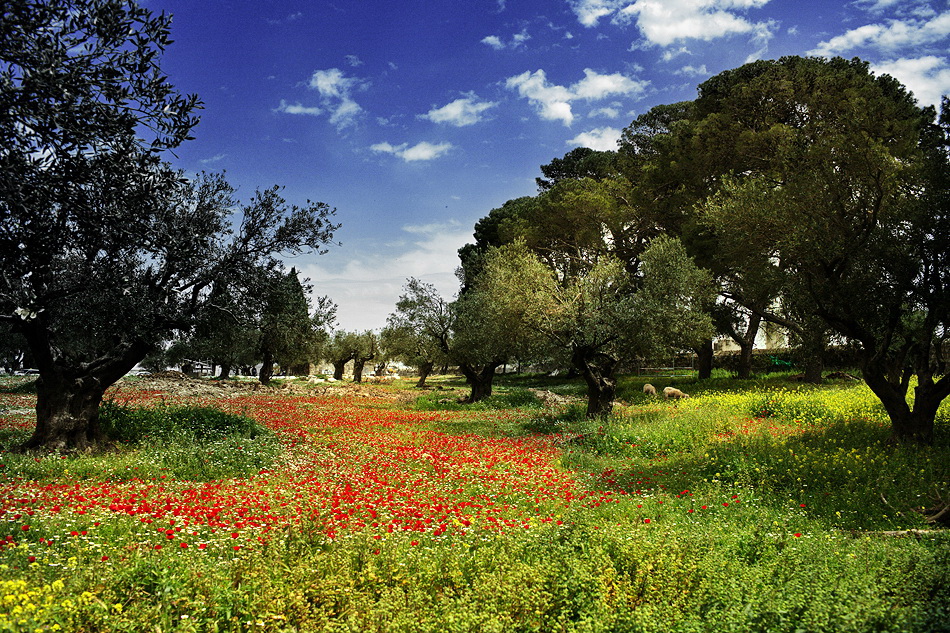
551 399
176 383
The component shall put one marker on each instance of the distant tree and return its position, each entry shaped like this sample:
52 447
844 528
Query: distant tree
14 352
367 349
225 332
602 315
497 228
289 336
410 348
467 332
418 331
341 349
484 338
106 252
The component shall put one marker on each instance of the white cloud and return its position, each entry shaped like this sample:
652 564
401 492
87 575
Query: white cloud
602 139
336 89
297 108
517 40
895 35
214 159
367 285
494 41
609 112
913 7
664 22
418 152
589 12
354 60
927 77
692 71
595 86
670 53
461 112
554 102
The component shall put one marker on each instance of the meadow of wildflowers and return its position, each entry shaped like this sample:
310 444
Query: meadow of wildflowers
773 507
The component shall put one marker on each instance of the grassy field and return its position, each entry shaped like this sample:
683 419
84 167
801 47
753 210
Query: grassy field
751 506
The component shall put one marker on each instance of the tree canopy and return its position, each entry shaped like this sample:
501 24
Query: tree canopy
106 251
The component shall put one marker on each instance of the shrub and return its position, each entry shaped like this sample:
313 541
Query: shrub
133 425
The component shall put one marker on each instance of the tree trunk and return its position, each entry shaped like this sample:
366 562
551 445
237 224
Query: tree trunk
267 367
480 380
704 359
598 371
424 370
814 341
746 345
68 393
814 367
225 371
358 364
338 367
67 413
912 425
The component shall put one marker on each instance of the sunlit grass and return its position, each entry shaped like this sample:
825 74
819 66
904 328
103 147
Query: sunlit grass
757 506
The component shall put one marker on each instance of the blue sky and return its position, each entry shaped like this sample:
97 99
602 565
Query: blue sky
415 118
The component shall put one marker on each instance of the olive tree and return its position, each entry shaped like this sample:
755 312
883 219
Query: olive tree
106 252
839 178
602 315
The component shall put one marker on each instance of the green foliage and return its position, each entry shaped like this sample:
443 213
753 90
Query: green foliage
169 442
504 399
136 425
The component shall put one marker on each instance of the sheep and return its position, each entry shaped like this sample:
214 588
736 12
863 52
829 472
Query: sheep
673 392
649 389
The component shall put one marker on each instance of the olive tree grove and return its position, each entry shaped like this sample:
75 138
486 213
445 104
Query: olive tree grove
106 251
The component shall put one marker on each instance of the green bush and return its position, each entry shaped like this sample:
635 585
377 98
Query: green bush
449 401
128 424
187 443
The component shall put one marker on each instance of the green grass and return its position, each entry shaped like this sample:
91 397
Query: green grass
758 505
167 442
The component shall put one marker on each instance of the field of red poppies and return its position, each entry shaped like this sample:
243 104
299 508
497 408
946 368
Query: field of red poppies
362 512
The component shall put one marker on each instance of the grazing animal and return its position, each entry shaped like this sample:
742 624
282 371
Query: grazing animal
673 392
649 389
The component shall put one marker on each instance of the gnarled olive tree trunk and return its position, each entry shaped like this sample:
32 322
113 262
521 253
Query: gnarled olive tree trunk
480 379
68 397
424 370
908 424
599 372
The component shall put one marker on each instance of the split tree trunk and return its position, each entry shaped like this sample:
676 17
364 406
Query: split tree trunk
908 425
424 370
358 365
338 367
480 380
598 371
